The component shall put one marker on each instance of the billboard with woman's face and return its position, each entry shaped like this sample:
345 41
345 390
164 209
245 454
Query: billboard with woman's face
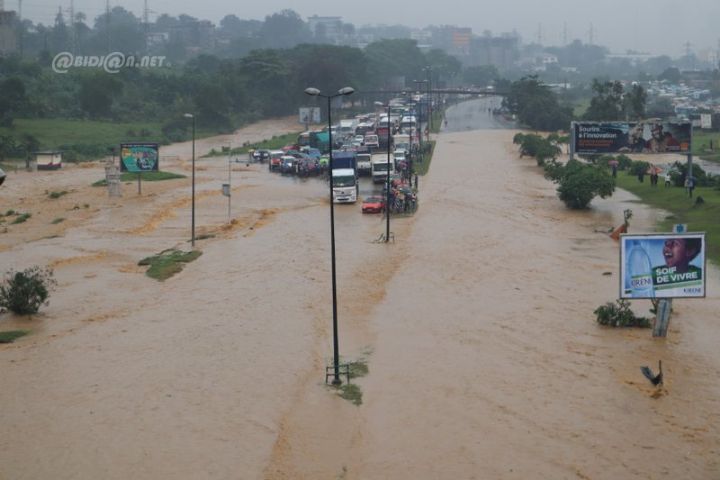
139 157
662 266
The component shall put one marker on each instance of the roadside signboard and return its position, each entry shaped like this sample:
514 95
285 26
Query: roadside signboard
309 115
662 266
631 137
139 157
705 120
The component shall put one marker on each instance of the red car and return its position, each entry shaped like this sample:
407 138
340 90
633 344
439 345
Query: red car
373 204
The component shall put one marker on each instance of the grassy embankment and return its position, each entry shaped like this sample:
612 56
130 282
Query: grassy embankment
146 177
87 138
698 217
701 145
274 143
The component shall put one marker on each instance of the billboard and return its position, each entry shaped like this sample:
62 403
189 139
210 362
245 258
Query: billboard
662 266
309 115
631 137
705 120
139 157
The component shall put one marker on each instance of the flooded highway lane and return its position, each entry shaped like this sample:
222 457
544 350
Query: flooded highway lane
476 325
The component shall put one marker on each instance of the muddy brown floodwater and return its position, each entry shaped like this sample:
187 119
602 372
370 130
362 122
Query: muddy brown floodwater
484 357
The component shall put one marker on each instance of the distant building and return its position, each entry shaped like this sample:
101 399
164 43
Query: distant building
499 51
8 33
198 35
328 29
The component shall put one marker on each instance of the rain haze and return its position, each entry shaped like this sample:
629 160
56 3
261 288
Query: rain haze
655 27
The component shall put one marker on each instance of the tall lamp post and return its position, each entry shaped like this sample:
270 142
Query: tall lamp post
192 237
314 92
387 188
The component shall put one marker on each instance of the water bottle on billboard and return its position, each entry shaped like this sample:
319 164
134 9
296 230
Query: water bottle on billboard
639 280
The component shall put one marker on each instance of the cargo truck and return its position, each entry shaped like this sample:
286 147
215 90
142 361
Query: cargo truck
344 177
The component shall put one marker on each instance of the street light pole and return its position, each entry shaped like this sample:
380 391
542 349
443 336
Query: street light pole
336 349
192 238
387 199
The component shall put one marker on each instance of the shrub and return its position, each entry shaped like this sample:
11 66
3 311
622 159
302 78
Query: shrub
578 183
619 315
638 167
23 292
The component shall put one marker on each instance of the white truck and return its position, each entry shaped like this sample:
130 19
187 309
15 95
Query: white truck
379 166
347 127
344 177
364 166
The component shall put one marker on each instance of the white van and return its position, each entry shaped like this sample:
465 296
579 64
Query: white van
379 166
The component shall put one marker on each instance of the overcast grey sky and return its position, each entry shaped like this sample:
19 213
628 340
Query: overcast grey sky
656 26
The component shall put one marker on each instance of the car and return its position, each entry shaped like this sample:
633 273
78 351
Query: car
307 167
275 160
372 141
2 176
373 204
289 164
359 140
261 155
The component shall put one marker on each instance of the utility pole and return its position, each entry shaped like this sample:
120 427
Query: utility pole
591 35
565 41
20 17
539 34
107 25
73 36
146 24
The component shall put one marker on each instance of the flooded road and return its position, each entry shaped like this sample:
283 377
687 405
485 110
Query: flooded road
476 324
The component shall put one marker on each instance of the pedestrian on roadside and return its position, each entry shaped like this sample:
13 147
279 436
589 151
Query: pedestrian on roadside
667 179
690 185
614 171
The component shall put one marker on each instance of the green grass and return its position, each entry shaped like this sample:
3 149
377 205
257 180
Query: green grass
22 218
58 220
351 391
51 133
581 107
167 263
421 168
275 143
12 335
55 195
146 177
701 145
699 218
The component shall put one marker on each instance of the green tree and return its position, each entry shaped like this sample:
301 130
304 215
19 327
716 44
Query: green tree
399 57
578 182
607 101
284 30
12 99
97 93
536 105
634 102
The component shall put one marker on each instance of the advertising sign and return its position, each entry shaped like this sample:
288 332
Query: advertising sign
632 137
662 266
139 157
705 120
309 115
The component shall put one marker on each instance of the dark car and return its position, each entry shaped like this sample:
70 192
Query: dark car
307 167
289 164
261 155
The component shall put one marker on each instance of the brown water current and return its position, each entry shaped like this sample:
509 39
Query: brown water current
484 357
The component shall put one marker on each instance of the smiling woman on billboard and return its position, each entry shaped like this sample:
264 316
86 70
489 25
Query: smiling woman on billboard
662 266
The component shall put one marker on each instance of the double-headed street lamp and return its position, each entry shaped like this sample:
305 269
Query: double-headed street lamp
336 355
192 238
387 195
428 107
